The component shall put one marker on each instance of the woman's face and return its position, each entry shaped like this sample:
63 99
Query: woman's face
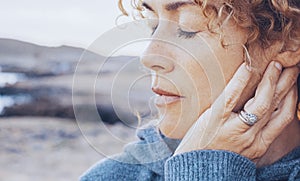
189 65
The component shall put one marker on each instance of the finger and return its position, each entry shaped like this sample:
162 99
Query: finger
262 100
287 79
225 103
281 118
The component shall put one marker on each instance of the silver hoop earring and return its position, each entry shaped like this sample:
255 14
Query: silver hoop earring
247 57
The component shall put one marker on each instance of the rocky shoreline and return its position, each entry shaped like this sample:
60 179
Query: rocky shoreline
55 104
45 79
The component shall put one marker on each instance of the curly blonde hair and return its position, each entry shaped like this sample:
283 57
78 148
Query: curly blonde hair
267 20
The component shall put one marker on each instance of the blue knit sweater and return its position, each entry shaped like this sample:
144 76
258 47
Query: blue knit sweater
151 158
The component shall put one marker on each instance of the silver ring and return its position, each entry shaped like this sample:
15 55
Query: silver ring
248 118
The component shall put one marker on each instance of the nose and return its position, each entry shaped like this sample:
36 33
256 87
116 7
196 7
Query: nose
158 57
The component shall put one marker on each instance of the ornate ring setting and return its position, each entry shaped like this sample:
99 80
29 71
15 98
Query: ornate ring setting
248 118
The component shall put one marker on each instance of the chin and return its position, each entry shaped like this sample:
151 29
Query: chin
174 111
175 123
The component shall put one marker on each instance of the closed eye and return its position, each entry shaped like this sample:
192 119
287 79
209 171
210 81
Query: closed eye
180 32
186 34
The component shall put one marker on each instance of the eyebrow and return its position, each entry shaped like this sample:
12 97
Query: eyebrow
176 5
171 6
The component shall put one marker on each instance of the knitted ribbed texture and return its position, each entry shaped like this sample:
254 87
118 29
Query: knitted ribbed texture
209 165
150 159
287 168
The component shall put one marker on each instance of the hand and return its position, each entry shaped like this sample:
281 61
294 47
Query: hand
274 104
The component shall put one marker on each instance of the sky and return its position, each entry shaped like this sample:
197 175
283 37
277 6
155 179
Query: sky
57 22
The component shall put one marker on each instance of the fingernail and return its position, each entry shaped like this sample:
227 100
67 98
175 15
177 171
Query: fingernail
278 66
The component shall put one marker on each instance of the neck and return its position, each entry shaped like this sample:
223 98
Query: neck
288 140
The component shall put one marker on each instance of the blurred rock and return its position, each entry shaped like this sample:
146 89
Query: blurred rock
55 80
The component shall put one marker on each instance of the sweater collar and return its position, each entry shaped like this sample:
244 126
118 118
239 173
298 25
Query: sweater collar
153 150
287 168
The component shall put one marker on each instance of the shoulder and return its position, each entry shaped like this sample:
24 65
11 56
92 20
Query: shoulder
115 168
138 160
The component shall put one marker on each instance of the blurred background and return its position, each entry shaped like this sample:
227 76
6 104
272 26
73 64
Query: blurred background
62 106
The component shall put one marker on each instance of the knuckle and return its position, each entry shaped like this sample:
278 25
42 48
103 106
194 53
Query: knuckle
229 105
276 98
231 98
262 108
251 138
259 152
233 139
286 83
248 139
269 80
252 154
241 81
291 78
289 117
276 101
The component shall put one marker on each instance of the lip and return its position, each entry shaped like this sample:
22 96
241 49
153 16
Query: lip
165 98
162 92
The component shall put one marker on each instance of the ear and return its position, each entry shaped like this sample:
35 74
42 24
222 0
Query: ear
288 58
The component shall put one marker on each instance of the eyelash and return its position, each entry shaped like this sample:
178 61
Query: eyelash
186 34
181 33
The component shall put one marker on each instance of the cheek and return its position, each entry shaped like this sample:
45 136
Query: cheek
201 81
197 87
230 59
203 76
203 92
209 74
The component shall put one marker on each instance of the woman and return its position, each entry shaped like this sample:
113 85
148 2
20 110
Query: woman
220 118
